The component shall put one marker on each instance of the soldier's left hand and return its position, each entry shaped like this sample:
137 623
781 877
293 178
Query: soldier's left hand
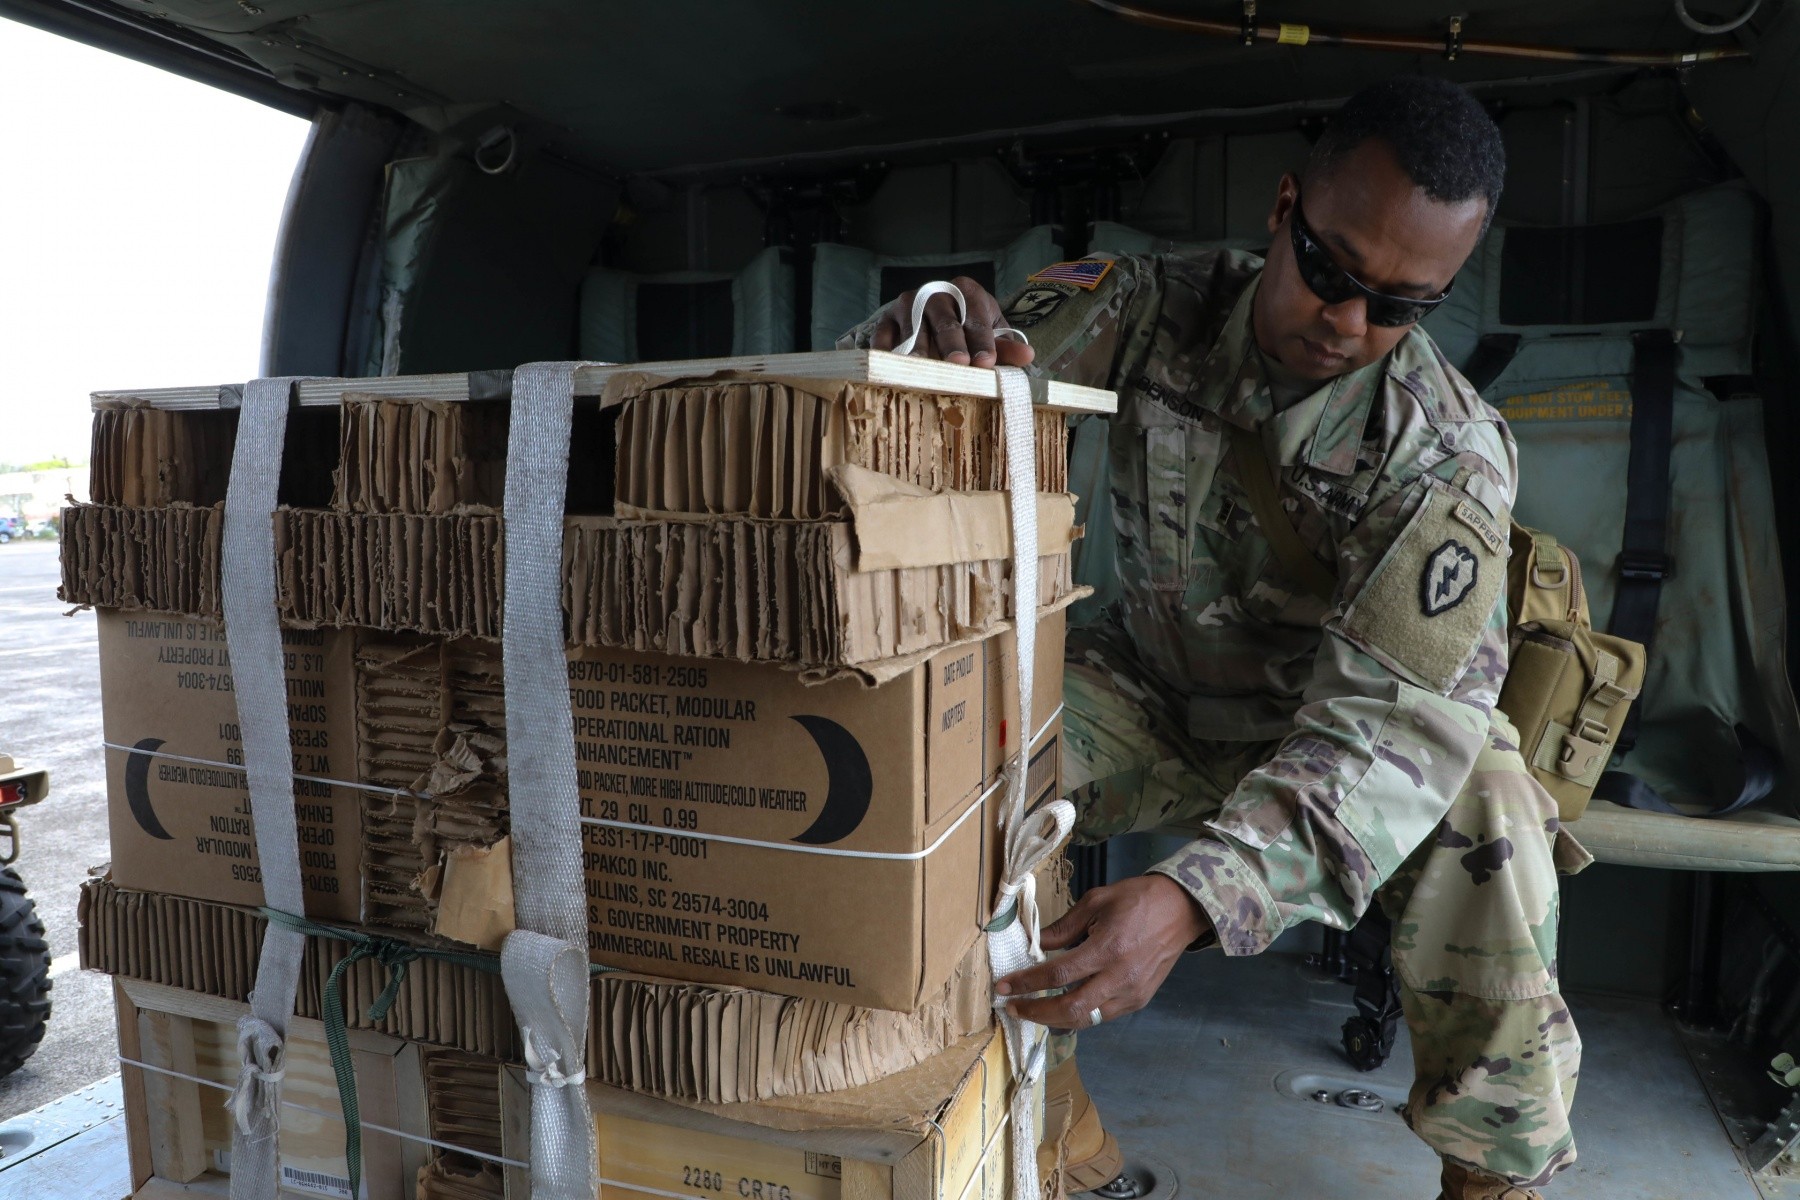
1126 938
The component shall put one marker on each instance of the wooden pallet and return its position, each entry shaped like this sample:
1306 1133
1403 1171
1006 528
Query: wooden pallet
177 1129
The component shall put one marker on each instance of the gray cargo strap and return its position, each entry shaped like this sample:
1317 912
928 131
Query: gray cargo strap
1644 563
253 639
1493 353
1029 837
544 961
1644 556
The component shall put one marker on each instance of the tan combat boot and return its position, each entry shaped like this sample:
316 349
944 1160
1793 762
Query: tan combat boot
1090 1156
1460 1183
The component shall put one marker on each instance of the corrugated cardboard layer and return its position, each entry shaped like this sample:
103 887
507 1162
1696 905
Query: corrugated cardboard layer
761 591
766 591
448 1177
681 1040
144 456
459 1100
426 574
462 1106
431 721
764 447
418 456
162 559
212 949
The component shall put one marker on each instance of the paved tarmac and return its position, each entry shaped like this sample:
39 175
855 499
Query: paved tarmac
50 717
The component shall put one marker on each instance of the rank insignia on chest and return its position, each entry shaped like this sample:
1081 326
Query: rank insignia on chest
1448 578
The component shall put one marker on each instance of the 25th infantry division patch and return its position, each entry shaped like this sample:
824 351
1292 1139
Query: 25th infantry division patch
1424 606
1449 576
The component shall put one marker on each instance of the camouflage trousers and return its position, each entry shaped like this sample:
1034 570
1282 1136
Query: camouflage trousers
1495 1052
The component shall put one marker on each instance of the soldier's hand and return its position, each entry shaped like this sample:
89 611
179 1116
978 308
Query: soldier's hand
1126 938
945 337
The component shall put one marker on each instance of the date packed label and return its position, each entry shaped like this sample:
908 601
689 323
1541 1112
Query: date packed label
182 659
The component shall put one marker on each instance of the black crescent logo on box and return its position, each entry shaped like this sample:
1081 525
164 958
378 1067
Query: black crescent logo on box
137 788
850 782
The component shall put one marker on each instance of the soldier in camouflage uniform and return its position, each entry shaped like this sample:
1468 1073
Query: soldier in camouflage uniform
1337 752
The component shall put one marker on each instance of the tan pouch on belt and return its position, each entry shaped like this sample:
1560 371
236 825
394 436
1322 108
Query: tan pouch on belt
1568 688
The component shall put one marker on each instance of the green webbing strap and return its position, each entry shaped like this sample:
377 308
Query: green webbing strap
1259 483
396 956
1005 920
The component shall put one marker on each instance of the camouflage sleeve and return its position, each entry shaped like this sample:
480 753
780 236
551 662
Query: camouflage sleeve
1395 713
1079 322
1073 326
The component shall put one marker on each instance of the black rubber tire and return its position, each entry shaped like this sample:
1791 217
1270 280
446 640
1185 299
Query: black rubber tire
24 974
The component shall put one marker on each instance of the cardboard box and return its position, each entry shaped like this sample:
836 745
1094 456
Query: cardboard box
179 815
701 777
178 1131
680 1040
725 792
765 447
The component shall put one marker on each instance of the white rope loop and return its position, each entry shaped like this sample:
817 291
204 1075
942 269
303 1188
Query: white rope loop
256 1101
545 1065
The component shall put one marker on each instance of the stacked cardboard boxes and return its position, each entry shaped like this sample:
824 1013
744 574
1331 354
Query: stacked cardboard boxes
789 669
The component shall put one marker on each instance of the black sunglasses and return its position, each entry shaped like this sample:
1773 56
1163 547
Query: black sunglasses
1334 285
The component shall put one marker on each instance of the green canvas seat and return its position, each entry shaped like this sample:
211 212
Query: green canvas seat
1561 308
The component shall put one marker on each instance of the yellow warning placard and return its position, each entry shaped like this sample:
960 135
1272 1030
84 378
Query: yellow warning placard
1590 400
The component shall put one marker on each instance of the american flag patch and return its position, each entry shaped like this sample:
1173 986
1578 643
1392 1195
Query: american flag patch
1087 273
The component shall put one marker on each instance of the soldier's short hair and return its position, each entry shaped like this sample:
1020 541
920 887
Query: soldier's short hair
1444 139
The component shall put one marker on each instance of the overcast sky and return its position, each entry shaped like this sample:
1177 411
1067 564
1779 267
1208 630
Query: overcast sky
137 221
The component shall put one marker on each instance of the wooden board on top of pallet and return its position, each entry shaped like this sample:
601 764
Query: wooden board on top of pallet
856 366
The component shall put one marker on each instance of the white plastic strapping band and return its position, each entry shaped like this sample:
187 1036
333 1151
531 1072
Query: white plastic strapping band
338 1116
253 639
939 287
544 961
1028 838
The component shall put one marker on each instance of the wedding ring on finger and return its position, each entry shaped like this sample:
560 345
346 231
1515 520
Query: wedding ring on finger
1094 1017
